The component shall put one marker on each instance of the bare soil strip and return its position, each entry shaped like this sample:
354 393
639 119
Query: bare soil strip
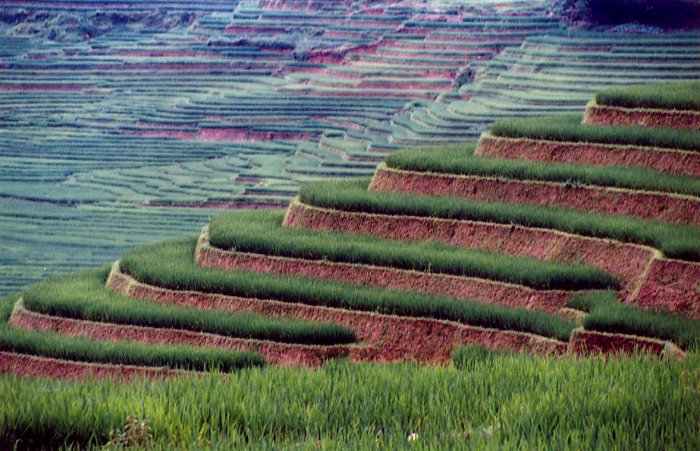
672 285
667 207
619 116
482 290
626 261
665 160
586 342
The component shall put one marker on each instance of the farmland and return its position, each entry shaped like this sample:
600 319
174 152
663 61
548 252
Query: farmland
449 272
124 127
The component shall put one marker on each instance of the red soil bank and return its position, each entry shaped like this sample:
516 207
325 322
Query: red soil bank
666 160
609 115
32 366
672 285
586 342
395 338
481 290
643 204
274 353
626 261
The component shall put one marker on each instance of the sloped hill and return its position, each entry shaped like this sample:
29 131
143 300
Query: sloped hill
505 245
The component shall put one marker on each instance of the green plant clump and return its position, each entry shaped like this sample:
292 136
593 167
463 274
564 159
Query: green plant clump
676 96
262 232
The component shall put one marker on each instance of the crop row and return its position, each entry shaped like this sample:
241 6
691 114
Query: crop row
678 96
569 128
460 160
84 296
81 349
261 232
171 265
676 241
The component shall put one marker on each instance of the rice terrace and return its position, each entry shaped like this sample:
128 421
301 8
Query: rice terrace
350 224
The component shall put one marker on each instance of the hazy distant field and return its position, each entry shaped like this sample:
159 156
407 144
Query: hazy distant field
107 122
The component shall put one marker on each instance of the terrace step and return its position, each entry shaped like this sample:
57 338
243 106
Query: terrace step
274 352
626 261
472 288
664 160
669 207
643 117
431 340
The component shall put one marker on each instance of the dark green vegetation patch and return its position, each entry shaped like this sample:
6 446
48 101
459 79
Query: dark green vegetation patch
674 96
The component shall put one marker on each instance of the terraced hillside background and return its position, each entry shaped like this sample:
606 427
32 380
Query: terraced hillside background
498 270
133 123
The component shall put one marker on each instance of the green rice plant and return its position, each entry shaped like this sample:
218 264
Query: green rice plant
262 232
510 403
84 296
47 344
568 128
607 314
675 240
472 357
461 161
171 265
676 96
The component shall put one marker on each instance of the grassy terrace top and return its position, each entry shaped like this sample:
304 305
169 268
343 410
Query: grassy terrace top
262 232
676 241
49 344
461 161
171 265
84 296
676 96
568 128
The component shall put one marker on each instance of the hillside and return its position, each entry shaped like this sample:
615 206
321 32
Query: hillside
550 237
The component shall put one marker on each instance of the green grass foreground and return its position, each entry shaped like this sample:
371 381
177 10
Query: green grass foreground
84 296
498 402
677 96
262 232
56 346
171 265
568 128
674 240
460 161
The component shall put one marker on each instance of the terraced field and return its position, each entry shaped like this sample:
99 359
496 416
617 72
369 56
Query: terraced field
455 254
131 124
